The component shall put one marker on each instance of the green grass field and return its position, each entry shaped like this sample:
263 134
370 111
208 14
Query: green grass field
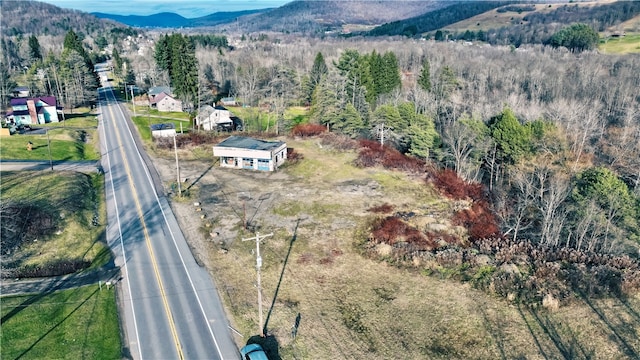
81 323
623 45
76 138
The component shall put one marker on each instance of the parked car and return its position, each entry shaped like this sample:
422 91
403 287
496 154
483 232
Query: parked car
253 352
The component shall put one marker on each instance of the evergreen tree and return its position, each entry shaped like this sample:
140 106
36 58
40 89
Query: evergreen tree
310 82
350 123
325 106
390 78
512 138
424 80
577 38
35 53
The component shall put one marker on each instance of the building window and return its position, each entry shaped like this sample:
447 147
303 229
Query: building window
247 163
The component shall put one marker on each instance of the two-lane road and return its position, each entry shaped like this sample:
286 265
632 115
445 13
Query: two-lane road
171 309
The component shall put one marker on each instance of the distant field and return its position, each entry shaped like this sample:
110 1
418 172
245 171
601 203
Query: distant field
74 324
494 20
623 45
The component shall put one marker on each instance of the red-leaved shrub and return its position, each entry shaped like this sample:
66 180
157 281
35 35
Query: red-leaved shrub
452 186
480 222
308 130
372 154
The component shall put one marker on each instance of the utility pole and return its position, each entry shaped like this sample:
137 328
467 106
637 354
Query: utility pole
49 147
175 148
133 102
257 238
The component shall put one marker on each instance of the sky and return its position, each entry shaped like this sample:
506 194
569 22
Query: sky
186 8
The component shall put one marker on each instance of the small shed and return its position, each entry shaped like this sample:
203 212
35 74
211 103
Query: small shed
248 153
163 130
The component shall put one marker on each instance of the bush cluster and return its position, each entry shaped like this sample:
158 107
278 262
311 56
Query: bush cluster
373 154
308 130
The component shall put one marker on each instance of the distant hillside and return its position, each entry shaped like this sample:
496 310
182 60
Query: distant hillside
436 19
538 22
310 17
38 18
172 20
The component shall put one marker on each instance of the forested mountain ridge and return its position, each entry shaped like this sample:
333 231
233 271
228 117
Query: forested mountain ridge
38 18
302 16
172 20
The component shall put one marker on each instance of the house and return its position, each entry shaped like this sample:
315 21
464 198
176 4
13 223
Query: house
165 102
210 118
21 91
36 110
228 101
157 90
163 130
247 153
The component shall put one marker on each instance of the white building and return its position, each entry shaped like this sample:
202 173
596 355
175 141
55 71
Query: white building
210 118
247 153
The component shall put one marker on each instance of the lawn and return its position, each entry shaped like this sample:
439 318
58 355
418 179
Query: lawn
73 139
622 45
81 323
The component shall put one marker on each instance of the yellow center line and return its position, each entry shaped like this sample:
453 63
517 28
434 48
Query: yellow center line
148 242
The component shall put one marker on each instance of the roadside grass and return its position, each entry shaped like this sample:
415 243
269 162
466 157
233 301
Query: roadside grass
353 307
77 200
81 323
622 45
73 139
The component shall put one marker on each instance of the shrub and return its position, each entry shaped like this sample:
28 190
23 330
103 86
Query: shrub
383 209
480 222
372 154
454 187
308 130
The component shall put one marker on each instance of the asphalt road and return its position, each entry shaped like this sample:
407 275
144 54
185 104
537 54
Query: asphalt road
170 306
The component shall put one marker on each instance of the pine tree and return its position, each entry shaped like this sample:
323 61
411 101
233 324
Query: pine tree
35 53
424 80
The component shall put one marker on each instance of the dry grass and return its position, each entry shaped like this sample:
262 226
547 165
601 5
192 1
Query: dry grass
352 307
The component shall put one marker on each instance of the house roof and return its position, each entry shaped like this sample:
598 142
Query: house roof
21 88
167 126
49 100
220 107
161 96
159 89
249 143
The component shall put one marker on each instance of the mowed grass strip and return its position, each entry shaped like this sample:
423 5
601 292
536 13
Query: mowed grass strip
81 323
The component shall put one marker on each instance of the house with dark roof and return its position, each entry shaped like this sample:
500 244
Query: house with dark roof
36 110
241 152
163 130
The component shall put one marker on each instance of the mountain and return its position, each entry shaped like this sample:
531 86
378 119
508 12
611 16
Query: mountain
309 16
172 20
38 18
165 19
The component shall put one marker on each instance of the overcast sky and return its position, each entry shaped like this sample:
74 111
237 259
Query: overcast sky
186 8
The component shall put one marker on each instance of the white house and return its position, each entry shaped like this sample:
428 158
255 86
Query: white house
247 153
210 118
165 102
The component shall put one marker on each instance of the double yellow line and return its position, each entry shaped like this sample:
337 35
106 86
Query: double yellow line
147 238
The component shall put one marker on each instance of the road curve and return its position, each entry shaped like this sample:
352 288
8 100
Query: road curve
170 306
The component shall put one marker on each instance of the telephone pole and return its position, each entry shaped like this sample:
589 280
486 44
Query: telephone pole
257 238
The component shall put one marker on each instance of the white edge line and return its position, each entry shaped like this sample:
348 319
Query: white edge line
115 201
146 170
